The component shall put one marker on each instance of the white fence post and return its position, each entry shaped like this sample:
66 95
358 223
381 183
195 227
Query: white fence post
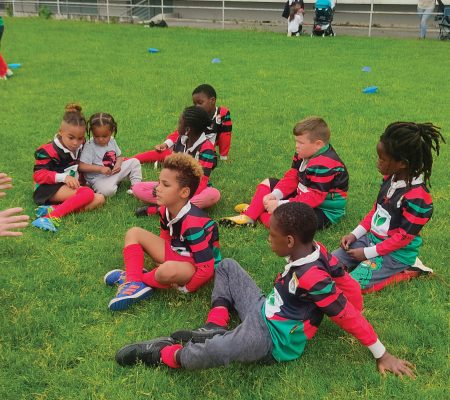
162 9
107 10
58 7
223 14
370 18
14 7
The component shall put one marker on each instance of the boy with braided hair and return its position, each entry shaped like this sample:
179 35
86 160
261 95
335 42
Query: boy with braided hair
276 328
383 248
187 249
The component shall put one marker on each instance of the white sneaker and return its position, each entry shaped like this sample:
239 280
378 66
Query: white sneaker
130 191
419 265
224 158
9 73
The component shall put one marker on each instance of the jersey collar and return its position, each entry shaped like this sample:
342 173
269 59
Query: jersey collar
302 261
61 146
180 215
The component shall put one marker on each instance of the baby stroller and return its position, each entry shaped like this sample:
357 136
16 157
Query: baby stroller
444 25
322 19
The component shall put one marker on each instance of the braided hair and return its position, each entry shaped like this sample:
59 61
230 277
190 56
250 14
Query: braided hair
101 119
73 115
413 144
197 119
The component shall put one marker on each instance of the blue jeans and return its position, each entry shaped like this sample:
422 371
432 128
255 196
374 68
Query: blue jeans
424 15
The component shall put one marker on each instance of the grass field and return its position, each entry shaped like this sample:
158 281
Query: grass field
57 337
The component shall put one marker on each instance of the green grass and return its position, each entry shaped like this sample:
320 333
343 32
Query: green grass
57 338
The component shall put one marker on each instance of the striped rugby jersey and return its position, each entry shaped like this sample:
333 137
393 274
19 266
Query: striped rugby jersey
307 289
53 163
320 181
395 220
193 234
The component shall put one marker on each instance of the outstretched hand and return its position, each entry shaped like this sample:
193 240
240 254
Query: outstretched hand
398 367
9 220
5 183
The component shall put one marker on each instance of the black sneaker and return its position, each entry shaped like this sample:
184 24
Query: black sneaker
145 211
198 335
147 352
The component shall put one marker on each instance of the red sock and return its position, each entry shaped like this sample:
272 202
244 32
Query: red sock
256 207
133 256
3 67
150 280
401 276
219 316
265 219
80 199
168 355
224 142
152 156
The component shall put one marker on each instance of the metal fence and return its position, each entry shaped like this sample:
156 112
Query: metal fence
144 10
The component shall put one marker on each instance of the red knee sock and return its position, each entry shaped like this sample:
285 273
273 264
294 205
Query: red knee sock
150 280
3 67
219 316
168 355
401 276
133 256
152 156
80 199
265 219
256 207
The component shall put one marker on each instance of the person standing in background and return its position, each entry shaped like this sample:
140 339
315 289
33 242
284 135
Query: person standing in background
424 9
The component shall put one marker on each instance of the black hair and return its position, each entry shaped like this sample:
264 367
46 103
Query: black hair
296 219
101 119
205 88
197 119
413 144
73 115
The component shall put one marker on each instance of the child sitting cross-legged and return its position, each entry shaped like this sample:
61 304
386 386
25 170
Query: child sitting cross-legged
276 327
383 248
187 248
317 177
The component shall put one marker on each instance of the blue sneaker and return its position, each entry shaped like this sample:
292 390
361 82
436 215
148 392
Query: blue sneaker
46 224
128 294
42 211
114 277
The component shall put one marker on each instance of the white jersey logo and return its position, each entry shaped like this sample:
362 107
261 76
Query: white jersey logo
273 303
381 221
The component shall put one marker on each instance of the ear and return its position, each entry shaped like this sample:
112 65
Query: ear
319 143
185 192
290 241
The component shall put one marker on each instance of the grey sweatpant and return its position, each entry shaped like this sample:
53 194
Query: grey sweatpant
250 341
369 272
107 185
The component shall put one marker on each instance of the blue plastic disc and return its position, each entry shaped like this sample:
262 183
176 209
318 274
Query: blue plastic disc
153 50
370 89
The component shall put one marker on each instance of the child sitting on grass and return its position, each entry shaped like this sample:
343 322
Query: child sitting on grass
192 140
56 174
276 328
219 132
187 248
317 177
101 160
383 248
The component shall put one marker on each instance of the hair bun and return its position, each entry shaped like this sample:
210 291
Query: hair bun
73 107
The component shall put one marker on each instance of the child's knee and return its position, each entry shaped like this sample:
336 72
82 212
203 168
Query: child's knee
98 200
265 182
166 273
133 235
108 192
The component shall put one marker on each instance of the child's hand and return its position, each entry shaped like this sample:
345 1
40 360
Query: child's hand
357 254
5 183
267 198
161 147
72 182
398 367
116 169
347 240
271 206
105 171
8 221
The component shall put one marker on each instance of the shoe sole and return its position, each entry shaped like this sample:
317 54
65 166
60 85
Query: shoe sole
123 303
229 223
45 229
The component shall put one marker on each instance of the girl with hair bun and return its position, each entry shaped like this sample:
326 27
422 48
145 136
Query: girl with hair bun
57 189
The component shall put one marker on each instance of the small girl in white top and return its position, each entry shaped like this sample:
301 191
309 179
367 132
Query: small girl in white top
101 160
295 20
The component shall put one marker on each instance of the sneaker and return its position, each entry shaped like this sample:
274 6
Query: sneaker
241 207
419 267
42 211
128 294
130 191
145 211
199 335
238 220
224 158
148 352
9 73
114 277
46 224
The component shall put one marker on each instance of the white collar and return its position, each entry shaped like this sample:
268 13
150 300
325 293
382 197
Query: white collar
65 149
215 114
180 215
304 260
401 184
199 141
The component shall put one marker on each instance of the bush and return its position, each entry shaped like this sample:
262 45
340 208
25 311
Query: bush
9 10
44 12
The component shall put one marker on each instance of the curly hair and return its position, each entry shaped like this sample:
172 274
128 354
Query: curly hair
189 171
